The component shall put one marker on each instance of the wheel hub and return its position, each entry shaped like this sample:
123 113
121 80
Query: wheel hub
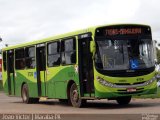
24 95
75 95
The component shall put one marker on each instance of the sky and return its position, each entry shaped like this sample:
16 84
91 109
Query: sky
28 20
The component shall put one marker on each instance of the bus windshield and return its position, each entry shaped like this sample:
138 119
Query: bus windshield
127 54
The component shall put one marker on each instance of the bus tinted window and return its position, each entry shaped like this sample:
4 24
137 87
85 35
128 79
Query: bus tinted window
30 57
4 60
53 54
20 60
19 53
53 48
69 45
68 51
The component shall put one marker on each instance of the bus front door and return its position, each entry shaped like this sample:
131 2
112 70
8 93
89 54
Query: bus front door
10 72
41 70
85 66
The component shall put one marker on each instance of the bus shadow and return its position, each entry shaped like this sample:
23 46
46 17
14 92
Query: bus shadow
53 102
114 105
97 104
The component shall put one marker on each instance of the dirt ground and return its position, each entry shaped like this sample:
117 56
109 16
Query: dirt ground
137 109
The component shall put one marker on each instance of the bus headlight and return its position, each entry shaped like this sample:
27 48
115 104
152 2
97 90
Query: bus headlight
104 82
150 81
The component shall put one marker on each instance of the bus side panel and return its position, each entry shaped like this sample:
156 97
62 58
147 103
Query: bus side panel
51 72
58 78
56 86
5 82
28 77
12 84
4 73
67 73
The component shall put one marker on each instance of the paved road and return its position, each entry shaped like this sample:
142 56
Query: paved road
138 108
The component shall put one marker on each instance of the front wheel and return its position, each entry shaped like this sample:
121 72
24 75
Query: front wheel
75 99
124 100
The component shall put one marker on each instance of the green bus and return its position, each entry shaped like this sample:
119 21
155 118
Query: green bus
112 62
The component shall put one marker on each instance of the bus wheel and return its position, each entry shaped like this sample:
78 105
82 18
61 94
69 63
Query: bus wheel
124 100
75 99
25 95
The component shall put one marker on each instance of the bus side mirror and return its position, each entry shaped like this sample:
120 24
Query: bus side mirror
92 47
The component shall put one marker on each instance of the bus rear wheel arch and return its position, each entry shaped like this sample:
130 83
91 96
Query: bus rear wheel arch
25 95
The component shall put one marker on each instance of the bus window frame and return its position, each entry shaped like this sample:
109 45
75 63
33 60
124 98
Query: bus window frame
56 41
20 59
30 57
62 52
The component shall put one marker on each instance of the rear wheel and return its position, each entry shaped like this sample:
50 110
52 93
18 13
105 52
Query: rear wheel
75 99
124 100
25 95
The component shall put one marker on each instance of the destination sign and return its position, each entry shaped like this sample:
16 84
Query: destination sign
129 31
123 30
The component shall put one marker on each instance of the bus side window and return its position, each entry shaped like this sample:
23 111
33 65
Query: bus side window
30 57
53 54
4 60
68 48
19 59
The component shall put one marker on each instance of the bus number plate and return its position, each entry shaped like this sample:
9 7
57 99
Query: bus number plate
131 90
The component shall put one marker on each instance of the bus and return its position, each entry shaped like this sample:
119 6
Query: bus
113 62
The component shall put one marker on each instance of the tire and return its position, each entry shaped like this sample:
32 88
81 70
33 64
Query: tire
25 95
75 99
124 100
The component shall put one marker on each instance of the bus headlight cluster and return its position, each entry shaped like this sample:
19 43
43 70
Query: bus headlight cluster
104 82
108 84
150 81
